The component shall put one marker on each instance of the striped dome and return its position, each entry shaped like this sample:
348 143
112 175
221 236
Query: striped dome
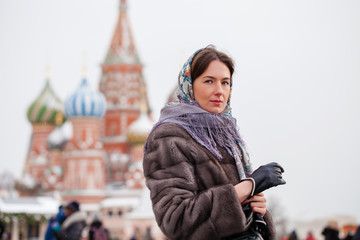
85 102
47 108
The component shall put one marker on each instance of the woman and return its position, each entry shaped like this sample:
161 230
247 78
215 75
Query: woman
195 163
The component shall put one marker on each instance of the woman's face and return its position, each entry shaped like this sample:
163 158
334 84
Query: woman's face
212 87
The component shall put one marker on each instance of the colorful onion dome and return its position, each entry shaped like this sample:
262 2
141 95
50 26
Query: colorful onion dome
140 129
47 108
85 102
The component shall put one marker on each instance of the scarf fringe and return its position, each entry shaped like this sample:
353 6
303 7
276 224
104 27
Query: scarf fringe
212 130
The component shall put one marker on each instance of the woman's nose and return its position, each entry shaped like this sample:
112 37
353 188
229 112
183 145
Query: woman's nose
218 88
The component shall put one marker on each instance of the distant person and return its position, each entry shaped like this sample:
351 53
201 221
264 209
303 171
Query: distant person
195 163
310 236
71 228
293 235
59 218
331 231
97 231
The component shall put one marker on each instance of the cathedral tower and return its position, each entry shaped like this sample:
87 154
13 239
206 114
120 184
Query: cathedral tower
43 113
84 169
121 84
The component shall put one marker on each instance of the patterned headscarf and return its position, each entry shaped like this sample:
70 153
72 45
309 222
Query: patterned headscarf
185 87
209 129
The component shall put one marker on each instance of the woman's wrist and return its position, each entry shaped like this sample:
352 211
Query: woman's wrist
243 189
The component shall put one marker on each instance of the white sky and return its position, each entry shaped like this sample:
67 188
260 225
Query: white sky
295 91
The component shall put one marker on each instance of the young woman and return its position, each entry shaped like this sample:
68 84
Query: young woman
195 164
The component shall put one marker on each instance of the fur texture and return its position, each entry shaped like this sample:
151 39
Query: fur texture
191 190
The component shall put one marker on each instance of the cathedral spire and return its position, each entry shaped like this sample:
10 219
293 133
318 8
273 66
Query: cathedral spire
123 6
85 67
122 48
47 72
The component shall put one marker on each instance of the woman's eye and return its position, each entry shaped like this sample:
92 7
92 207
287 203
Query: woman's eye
208 81
226 83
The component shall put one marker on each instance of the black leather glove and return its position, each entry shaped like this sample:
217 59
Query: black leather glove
265 177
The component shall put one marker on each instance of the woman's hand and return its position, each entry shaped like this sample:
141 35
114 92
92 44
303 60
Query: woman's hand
243 190
257 203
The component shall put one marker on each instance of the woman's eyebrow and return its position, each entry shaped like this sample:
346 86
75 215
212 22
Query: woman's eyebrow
206 76
212 77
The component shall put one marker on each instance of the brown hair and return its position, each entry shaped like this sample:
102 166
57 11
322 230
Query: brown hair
204 57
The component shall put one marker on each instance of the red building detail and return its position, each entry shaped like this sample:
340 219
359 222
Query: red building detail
121 84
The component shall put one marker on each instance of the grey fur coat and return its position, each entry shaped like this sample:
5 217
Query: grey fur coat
192 191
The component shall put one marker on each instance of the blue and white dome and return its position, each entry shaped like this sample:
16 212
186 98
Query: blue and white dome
85 102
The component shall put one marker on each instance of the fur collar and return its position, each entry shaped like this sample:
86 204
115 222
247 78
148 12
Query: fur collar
73 218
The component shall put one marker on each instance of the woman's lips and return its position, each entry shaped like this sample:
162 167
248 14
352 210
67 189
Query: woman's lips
216 102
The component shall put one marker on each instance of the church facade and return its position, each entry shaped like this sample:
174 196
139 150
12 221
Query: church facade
89 147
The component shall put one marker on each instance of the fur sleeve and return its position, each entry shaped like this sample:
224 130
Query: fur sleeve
270 227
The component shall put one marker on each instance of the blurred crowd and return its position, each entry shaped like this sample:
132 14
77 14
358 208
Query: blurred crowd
70 223
330 232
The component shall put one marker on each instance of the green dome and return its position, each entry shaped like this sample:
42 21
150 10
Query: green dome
47 108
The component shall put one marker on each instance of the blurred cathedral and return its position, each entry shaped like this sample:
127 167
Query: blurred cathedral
89 148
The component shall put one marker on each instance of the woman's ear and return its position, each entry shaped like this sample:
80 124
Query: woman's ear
229 95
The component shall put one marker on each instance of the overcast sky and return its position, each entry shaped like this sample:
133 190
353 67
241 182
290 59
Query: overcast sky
296 86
